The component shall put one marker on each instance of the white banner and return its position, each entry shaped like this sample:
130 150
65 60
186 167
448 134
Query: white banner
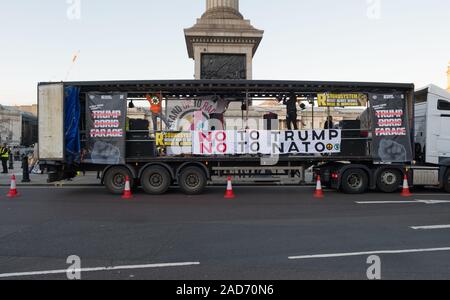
189 115
266 142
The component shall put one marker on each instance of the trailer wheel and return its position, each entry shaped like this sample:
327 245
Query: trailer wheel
192 181
115 179
389 181
155 180
447 181
355 181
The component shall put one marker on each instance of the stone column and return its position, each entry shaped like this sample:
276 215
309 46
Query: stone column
212 4
222 9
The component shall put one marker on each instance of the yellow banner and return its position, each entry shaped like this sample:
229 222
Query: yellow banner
341 100
174 139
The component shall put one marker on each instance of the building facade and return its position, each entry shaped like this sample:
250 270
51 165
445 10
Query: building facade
17 128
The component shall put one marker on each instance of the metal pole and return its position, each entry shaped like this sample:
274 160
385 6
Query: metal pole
247 111
26 173
11 160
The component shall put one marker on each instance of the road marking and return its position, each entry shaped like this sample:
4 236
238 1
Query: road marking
430 227
432 195
434 201
100 269
430 202
369 253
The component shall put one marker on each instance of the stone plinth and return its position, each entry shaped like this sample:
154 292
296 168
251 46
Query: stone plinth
223 30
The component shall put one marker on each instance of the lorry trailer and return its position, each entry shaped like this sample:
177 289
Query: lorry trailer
189 137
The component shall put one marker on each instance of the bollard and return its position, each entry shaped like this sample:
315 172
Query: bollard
11 161
26 173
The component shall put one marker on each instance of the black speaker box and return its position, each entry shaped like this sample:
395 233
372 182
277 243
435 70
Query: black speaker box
138 136
268 118
139 124
354 148
140 149
351 128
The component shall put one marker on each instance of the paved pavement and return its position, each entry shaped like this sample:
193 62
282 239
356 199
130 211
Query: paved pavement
88 179
208 237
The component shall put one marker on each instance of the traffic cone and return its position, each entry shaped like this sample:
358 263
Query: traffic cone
13 190
229 194
406 192
127 191
319 192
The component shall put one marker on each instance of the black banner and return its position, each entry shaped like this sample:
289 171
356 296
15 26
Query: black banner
391 140
106 118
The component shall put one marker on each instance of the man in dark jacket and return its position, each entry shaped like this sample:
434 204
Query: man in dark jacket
4 156
329 123
291 108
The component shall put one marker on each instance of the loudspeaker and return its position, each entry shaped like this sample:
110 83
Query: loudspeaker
139 124
141 149
268 119
138 136
354 148
350 128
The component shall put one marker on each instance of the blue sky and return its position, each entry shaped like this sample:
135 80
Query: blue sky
143 39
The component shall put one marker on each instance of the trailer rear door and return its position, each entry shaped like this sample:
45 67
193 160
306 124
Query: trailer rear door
51 121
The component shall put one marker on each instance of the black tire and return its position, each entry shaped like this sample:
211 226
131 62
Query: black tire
115 180
389 180
155 180
192 181
447 182
355 181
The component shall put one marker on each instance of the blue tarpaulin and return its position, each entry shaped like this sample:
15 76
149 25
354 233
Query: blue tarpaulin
71 124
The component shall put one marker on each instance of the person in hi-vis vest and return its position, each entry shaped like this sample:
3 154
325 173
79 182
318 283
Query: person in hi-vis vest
156 109
4 156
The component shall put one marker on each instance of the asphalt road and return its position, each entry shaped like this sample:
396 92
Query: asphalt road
249 238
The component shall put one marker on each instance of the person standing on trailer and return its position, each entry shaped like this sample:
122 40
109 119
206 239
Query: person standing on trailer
4 156
217 119
156 109
329 123
291 111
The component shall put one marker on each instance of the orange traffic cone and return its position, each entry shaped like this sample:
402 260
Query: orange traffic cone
127 191
406 192
13 190
319 192
229 194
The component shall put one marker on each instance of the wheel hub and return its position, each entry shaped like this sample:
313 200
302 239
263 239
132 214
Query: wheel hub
389 178
119 180
192 180
156 180
355 181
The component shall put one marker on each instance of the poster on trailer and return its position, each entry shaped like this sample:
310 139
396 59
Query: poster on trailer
254 142
106 118
391 142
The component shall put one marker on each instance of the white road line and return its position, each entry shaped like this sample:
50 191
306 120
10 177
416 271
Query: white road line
406 202
369 253
430 227
386 202
432 194
100 269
